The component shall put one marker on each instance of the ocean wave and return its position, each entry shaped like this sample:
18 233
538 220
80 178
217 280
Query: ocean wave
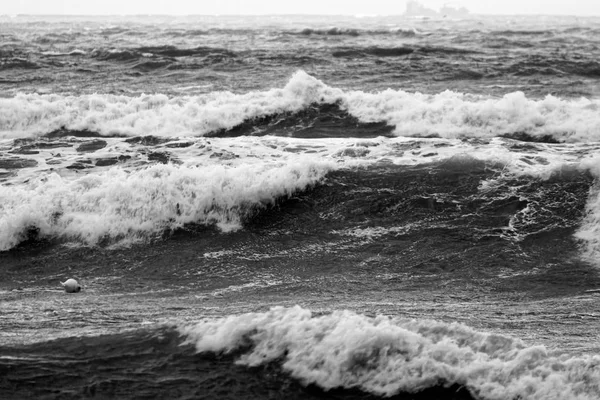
17 63
554 66
354 52
373 51
167 51
114 30
445 50
314 121
523 32
57 38
172 51
151 65
151 363
336 31
186 32
120 206
589 231
75 52
447 114
387 356
115 54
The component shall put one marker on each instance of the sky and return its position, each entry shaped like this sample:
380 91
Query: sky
253 7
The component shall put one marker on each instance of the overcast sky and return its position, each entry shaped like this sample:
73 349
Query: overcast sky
352 7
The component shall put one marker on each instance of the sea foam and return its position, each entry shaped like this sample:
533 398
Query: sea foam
116 205
447 114
589 231
385 356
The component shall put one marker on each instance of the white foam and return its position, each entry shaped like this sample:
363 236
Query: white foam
31 114
448 114
375 232
589 231
120 205
23 204
384 355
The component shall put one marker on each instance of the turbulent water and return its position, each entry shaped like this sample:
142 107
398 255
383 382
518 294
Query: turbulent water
300 207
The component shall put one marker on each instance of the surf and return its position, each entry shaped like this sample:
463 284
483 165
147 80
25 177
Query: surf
448 114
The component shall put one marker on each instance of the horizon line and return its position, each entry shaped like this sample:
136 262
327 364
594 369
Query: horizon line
356 15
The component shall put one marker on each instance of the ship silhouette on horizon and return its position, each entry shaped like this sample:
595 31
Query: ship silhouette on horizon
416 9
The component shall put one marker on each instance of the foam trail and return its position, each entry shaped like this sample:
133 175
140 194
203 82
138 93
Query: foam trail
385 356
117 205
448 114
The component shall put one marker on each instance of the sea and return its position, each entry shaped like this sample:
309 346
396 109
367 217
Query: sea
300 207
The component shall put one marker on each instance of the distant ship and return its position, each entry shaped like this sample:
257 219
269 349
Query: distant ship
416 9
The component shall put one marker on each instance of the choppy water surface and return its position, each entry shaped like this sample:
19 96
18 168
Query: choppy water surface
191 55
299 207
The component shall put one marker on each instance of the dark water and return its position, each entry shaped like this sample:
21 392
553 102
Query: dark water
299 207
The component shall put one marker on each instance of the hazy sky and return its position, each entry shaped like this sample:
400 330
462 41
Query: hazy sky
352 7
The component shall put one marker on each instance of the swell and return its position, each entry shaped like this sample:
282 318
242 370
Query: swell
145 59
353 32
523 32
352 52
554 66
166 51
314 121
460 192
460 216
7 63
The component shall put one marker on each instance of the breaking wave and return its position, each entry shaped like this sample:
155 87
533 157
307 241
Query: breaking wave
447 114
589 231
386 356
127 206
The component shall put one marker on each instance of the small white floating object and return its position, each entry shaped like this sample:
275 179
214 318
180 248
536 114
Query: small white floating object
71 286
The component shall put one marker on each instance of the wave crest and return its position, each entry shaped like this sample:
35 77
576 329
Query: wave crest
448 114
386 356
120 206
589 231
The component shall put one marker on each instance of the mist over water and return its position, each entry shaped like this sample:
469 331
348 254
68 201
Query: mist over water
303 206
